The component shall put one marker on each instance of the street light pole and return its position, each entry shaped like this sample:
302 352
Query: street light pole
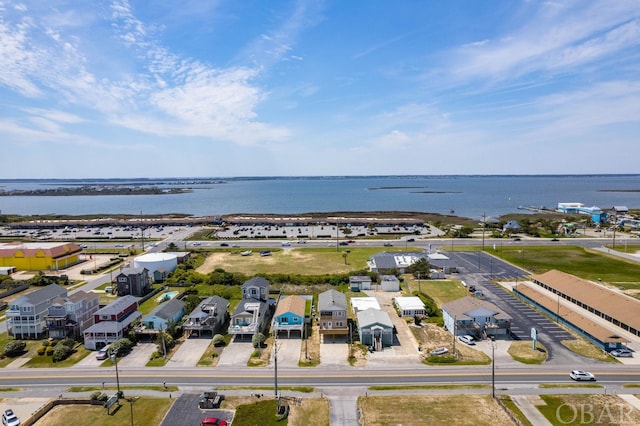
131 402
275 365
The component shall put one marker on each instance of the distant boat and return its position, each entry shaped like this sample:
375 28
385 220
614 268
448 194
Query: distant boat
246 253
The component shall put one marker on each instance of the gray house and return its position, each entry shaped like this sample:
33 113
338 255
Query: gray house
375 328
133 281
476 317
332 306
210 315
252 314
70 316
26 315
164 315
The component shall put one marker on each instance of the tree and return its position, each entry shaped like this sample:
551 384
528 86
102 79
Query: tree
419 268
257 340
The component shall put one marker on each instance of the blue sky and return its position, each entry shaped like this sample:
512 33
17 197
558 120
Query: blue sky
259 88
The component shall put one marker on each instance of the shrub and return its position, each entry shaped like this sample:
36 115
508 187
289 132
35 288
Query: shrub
50 350
14 348
95 395
255 354
218 340
61 352
41 350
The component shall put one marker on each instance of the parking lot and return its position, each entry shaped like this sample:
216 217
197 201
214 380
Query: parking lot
479 268
185 412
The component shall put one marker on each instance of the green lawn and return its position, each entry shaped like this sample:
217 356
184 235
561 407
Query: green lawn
441 291
584 263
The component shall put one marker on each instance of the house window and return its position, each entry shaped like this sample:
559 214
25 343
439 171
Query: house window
284 320
338 323
295 319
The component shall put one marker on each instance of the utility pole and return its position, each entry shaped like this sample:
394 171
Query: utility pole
493 370
275 365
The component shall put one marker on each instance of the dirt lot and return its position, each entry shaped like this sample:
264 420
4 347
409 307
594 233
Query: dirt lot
418 410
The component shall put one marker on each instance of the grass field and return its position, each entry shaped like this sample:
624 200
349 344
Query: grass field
581 262
523 352
305 261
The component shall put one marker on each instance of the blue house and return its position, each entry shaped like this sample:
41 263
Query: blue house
164 315
289 315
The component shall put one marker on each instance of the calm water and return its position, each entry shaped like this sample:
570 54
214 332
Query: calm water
470 196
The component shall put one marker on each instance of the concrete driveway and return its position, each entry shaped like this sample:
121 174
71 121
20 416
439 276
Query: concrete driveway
334 353
236 354
190 352
139 355
288 352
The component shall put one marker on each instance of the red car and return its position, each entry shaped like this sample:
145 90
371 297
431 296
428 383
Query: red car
213 421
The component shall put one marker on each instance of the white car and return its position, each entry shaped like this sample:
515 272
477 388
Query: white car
580 375
622 353
469 340
9 418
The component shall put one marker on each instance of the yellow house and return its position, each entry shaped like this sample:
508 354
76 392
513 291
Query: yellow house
39 256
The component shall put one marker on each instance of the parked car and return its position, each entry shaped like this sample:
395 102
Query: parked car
213 421
622 353
103 353
581 375
9 418
469 340
439 351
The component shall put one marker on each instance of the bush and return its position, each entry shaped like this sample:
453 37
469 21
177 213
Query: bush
61 352
50 350
255 354
42 350
121 346
95 396
218 340
14 348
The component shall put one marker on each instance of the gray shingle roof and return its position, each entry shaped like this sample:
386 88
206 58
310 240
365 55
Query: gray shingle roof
332 299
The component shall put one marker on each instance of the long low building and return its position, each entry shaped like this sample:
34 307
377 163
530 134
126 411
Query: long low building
617 308
601 336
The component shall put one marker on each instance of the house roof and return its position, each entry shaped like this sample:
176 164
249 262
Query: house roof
388 278
208 305
118 305
132 271
360 278
583 322
49 292
372 316
409 303
246 304
109 326
364 303
332 299
167 310
473 307
294 304
617 305
256 282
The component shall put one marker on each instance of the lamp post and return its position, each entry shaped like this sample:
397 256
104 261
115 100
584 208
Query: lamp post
114 358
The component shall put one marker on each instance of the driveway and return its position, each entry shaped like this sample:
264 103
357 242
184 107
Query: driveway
405 345
334 353
190 352
139 355
288 352
236 354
